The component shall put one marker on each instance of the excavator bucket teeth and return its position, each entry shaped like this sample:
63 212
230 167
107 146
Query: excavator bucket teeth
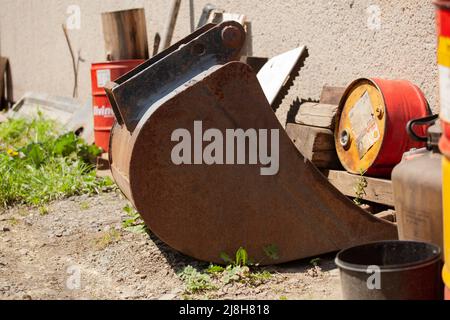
203 210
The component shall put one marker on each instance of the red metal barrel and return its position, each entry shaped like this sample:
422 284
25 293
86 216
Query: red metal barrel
101 74
371 134
443 29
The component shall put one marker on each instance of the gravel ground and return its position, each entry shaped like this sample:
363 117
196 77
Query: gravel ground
78 249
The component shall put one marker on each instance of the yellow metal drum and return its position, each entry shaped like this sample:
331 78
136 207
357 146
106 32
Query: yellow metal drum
356 155
370 135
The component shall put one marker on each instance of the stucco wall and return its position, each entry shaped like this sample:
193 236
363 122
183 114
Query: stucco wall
344 42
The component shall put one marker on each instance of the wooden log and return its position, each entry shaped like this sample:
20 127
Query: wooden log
316 144
317 115
377 190
3 64
125 35
332 95
6 84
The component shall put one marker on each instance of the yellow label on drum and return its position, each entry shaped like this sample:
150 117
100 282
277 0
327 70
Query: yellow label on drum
444 52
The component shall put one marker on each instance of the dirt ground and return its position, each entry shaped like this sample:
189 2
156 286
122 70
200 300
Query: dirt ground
78 249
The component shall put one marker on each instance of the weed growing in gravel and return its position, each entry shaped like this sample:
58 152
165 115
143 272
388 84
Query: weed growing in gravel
13 222
43 210
107 238
360 189
84 205
315 262
38 165
195 281
240 270
134 222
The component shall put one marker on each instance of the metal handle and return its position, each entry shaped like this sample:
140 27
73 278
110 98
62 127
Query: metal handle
430 120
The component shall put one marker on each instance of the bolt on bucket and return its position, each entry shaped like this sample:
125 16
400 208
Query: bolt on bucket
101 74
370 134
443 55
391 270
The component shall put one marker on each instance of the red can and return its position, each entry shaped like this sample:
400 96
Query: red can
101 74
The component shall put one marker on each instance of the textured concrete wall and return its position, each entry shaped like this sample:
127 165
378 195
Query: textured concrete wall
344 38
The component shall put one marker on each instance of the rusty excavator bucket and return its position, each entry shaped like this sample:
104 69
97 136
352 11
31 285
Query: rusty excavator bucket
207 208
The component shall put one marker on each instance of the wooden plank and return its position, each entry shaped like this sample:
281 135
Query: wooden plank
315 144
377 190
117 30
332 95
317 115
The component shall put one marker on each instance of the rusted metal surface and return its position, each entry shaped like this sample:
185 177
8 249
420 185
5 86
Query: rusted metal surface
204 210
207 50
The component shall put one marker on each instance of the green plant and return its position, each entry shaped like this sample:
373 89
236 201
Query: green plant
315 262
360 189
214 269
84 205
13 222
38 165
108 238
241 258
238 270
196 281
43 210
134 222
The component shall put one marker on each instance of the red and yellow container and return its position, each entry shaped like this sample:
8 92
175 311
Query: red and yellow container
371 134
101 74
443 29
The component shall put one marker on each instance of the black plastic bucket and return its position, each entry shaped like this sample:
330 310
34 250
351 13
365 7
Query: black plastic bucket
391 270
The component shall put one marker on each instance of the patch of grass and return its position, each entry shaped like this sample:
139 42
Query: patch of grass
134 222
84 205
13 222
38 165
284 298
110 237
43 210
195 281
